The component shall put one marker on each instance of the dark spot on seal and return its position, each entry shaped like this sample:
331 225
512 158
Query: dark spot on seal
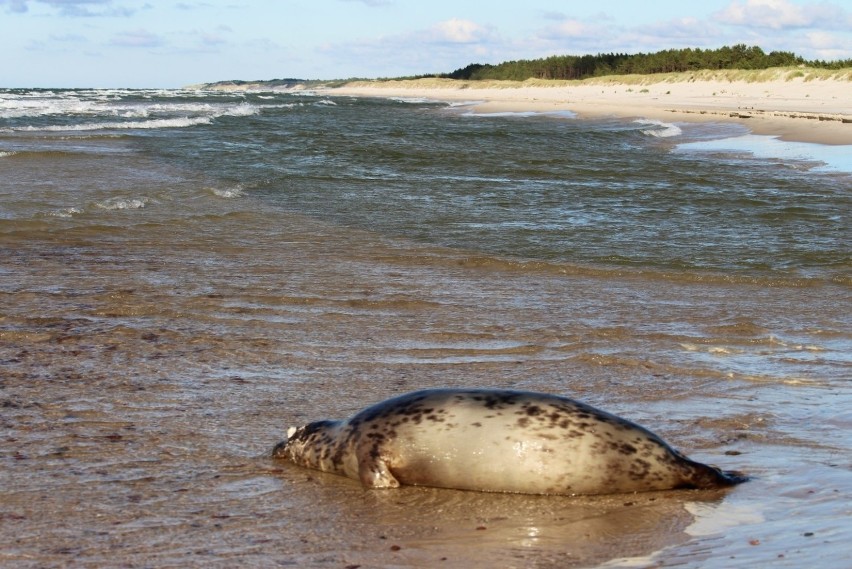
500 400
523 422
639 469
311 429
534 411
477 424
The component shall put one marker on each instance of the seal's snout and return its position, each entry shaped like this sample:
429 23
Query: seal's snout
735 477
706 477
279 451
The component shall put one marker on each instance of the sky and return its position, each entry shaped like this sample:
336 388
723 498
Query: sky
160 44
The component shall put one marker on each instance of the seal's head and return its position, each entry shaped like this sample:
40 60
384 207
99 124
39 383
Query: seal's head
280 450
705 476
304 444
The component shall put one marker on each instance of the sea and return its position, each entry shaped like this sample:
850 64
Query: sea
186 273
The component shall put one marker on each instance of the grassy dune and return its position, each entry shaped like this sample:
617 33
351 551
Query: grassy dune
723 75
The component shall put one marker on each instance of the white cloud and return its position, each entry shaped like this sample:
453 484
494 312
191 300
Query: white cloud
571 36
680 32
444 46
782 15
828 46
460 31
573 29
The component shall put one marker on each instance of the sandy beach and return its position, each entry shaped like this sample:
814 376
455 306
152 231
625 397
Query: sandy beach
795 105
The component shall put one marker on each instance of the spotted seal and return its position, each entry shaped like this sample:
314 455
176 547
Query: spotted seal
497 441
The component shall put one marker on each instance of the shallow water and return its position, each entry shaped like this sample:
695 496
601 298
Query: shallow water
183 276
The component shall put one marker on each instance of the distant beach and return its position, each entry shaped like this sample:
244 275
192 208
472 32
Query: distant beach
796 105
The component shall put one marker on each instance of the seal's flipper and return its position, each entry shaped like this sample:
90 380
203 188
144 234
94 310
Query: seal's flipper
374 473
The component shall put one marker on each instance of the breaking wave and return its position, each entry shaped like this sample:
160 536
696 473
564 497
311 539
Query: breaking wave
660 129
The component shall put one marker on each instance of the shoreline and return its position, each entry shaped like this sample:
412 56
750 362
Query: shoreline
798 109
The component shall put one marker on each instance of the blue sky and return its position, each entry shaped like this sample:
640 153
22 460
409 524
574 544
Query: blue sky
139 43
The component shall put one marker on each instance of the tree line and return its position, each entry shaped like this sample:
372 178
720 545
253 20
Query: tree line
738 56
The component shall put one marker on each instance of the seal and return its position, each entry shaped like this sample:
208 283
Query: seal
496 441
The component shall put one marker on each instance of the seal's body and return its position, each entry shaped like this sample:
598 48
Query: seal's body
496 441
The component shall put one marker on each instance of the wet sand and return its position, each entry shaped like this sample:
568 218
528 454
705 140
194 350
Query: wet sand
142 393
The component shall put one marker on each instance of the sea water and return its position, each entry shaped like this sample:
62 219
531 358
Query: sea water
184 274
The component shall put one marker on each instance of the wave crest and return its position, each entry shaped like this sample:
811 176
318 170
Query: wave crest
661 130
123 203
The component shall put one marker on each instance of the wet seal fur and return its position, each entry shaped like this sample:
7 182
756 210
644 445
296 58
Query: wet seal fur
496 441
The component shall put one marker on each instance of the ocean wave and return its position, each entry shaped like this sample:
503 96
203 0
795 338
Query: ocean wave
123 203
240 110
154 123
6 154
65 212
662 130
413 100
234 192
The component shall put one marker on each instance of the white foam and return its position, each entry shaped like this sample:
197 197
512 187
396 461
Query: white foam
453 104
182 122
624 562
662 130
106 104
241 110
6 154
123 203
522 114
66 212
413 100
229 193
